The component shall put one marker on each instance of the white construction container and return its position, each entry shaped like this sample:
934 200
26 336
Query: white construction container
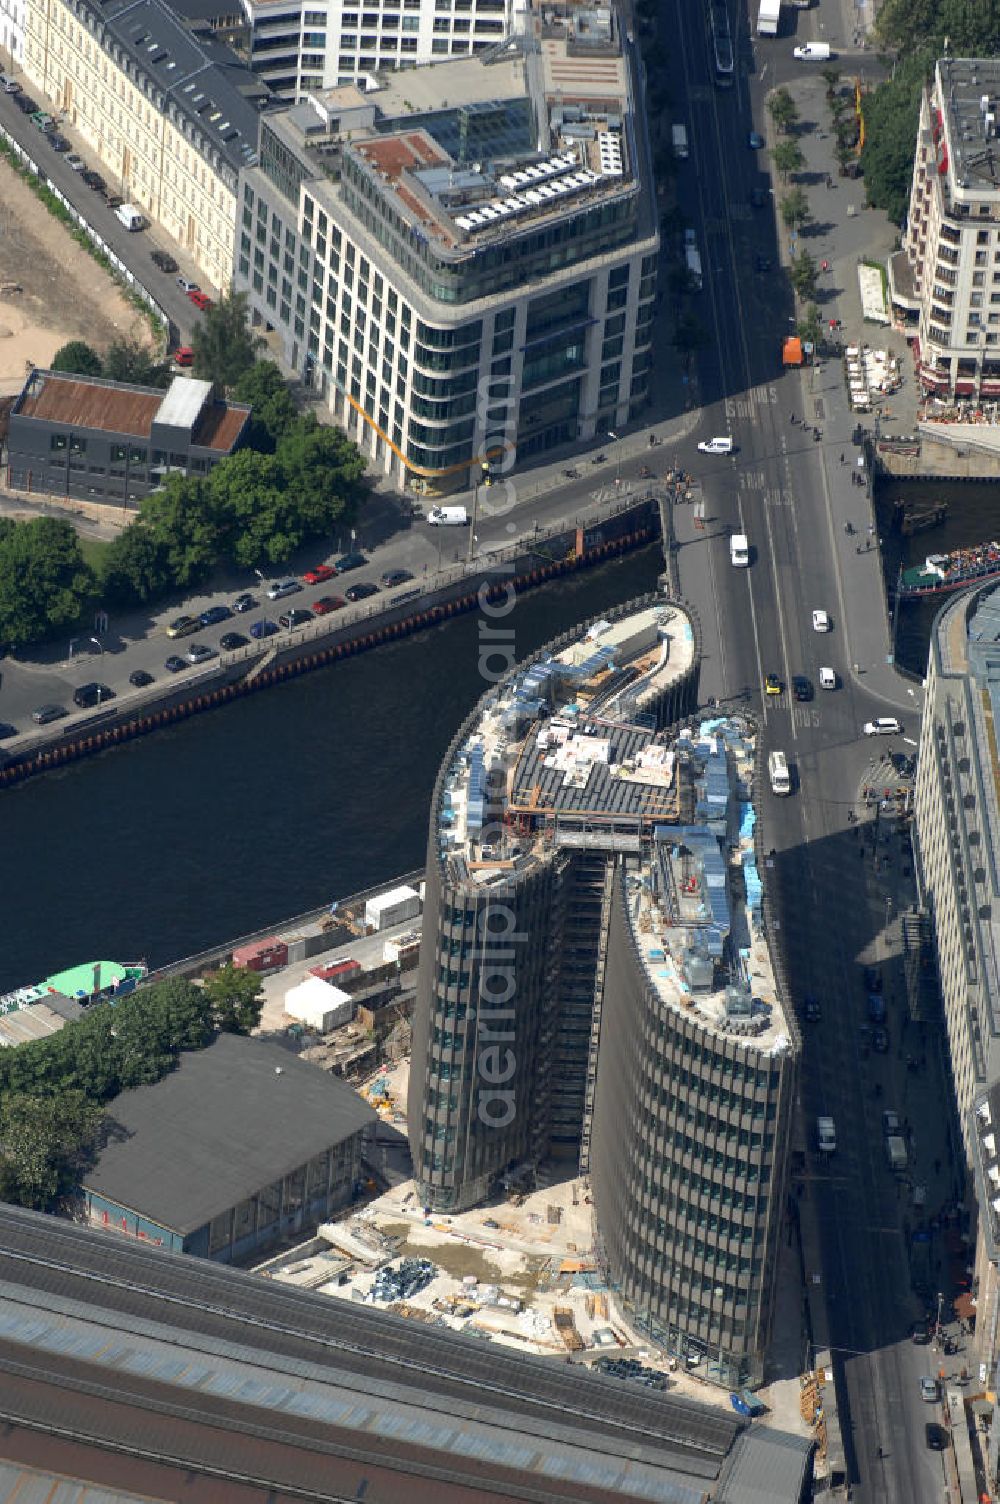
318 1005
394 907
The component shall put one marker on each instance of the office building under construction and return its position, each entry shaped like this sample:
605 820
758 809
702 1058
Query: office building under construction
595 985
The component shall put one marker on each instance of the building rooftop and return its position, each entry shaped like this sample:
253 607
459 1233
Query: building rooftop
230 1119
38 1020
194 77
445 84
114 407
969 89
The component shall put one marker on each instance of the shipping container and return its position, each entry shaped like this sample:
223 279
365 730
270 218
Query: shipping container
262 955
394 907
318 1005
336 971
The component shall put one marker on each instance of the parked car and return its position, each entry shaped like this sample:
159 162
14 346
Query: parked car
214 615
328 603
929 1390
244 602
880 1041
362 591
920 1333
278 589
291 619
92 694
113 200
393 577
230 641
263 628
57 142
183 356
759 197
25 103
175 663
94 180
76 162
802 687
937 1436
183 626
41 120
6 729
350 561
46 713
165 262
200 299
186 285
812 1008
200 652
140 677
319 574
755 141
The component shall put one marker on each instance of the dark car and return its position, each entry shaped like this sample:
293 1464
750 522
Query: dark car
811 1007
350 561
263 628
214 615
361 592
46 713
113 200
6 729
394 577
230 641
762 263
58 143
759 197
93 180
937 1436
140 677
92 694
920 1333
880 1041
244 602
25 103
165 262
328 603
802 687
290 619
175 663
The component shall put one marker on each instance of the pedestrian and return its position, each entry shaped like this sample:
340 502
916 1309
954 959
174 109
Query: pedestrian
791 417
843 459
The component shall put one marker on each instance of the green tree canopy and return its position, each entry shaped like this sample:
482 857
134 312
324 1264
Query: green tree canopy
804 273
236 999
184 522
795 209
891 115
135 568
810 326
266 390
44 581
78 358
787 157
133 362
224 346
783 110
44 1144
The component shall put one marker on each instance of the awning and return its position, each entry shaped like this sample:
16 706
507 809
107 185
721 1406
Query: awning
965 1306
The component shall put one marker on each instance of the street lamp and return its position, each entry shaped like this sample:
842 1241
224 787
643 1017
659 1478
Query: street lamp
484 478
618 456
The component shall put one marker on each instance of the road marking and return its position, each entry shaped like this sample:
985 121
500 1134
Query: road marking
909 741
752 480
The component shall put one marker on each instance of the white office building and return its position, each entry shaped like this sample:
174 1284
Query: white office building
464 261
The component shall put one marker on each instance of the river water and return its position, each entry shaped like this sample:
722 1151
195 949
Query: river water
973 517
268 807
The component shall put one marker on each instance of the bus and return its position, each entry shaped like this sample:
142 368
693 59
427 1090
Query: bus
722 46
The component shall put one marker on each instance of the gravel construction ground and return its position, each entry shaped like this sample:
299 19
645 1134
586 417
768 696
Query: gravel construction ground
64 293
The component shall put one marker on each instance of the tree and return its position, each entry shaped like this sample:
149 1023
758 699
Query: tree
224 347
804 273
788 158
44 1144
783 110
130 361
78 358
891 115
44 581
795 209
135 568
324 469
184 522
263 515
831 77
810 326
689 334
266 390
236 999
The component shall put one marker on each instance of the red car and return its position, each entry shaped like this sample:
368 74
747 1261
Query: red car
184 356
200 299
328 603
319 574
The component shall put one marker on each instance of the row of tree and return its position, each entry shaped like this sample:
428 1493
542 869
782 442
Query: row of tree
296 480
54 1092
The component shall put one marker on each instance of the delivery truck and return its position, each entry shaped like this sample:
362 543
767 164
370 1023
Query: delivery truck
768 17
131 217
448 517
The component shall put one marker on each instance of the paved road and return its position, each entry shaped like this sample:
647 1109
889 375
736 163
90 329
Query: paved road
791 494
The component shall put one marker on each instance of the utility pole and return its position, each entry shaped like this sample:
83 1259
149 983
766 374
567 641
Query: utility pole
484 478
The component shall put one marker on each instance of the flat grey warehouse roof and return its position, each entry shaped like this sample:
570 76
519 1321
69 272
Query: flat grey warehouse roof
229 1120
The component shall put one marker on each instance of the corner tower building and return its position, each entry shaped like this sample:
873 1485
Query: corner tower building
595 985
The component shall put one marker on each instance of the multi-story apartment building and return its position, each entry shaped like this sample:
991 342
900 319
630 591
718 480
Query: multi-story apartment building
951 243
308 46
12 14
464 261
170 113
595 983
957 809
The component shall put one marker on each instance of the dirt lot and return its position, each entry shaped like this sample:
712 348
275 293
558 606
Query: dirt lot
65 295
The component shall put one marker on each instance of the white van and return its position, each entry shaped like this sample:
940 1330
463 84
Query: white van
882 725
827 678
739 551
777 769
826 1135
131 217
448 517
680 140
813 52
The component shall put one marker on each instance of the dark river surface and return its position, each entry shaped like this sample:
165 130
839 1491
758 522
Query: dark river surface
270 806
973 517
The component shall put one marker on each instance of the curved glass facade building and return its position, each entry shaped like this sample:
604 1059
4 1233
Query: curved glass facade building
595 985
